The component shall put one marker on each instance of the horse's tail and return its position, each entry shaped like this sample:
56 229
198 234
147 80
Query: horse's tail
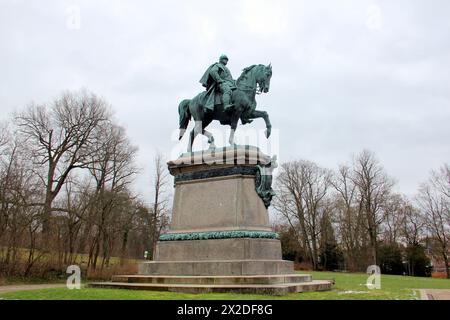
185 116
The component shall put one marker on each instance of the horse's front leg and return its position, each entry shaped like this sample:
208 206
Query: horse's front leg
263 114
194 132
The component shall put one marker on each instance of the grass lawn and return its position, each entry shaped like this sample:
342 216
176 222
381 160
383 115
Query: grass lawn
348 286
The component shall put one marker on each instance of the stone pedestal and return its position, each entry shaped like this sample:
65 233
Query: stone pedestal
220 239
220 224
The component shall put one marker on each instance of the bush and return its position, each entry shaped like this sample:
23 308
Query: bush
418 264
331 257
289 245
390 259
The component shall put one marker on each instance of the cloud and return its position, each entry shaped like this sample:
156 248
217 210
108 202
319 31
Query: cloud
348 75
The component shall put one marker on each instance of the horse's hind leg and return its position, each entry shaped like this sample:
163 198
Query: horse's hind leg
208 134
210 139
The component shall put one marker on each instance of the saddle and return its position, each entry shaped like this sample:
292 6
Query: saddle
211 98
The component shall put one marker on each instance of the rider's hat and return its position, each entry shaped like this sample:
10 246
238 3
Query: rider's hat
224 56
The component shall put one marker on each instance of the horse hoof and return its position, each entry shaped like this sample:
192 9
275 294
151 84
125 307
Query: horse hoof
268 133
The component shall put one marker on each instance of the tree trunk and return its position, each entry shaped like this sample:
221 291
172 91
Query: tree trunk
447 268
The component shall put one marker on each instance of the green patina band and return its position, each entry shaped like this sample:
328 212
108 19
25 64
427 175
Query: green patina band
218 235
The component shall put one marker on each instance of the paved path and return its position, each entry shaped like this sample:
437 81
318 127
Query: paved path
435 294
25 287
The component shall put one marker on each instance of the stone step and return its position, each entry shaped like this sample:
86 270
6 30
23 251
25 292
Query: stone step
270 289
257 279
217 267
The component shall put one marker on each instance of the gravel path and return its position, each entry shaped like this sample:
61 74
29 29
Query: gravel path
435 294
24 287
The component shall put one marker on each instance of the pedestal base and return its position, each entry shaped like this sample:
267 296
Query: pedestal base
219 249
220 238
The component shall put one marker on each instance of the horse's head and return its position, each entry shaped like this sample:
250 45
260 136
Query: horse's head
263 77
256 77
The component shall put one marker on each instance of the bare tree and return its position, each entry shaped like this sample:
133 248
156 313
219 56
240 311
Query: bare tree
111 158
65 180
394 218
4 137
350 221
111 164
72 218
59 135
434 200
158 218
412 223
301 198
373 189
18 188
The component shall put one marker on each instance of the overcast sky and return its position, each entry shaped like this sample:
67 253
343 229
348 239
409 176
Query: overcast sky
347 75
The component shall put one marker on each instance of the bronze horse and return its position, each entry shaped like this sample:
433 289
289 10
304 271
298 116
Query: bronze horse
253 80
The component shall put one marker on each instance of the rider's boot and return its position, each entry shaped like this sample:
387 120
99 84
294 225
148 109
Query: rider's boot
226 99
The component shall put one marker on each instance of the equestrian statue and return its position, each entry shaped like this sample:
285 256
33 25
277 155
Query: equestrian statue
225 100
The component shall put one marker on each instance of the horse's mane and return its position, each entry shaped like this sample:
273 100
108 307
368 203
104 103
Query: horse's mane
245 72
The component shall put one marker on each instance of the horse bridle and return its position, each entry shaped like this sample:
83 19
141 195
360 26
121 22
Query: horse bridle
255 90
